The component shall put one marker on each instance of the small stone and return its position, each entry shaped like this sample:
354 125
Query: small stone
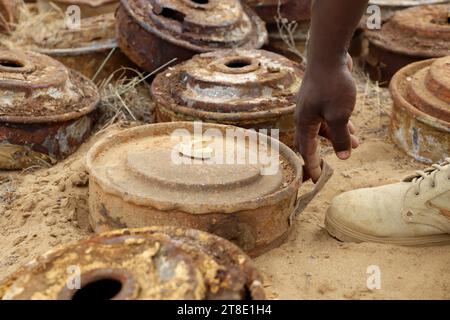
346 175
51 221
273 69
80 179
64 202
26 214
19 240
54 242
22 252
43 181
28 206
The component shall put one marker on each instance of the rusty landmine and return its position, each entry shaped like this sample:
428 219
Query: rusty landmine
232 182
153 32
389 7
46 110
88 8
410 35
83 49
160 263
246 88
292 10
9 13
421 111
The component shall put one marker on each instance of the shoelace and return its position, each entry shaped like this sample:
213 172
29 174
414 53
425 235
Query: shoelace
420 175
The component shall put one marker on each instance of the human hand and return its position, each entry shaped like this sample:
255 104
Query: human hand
324 106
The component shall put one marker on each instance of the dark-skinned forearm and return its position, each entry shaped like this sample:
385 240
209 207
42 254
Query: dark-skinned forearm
332 26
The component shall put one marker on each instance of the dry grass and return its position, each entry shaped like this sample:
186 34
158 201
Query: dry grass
372 96
287 32
125 97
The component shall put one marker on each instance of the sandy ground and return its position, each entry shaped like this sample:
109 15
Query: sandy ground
46 207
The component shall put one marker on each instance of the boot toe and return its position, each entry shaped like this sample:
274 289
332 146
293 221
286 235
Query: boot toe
373 212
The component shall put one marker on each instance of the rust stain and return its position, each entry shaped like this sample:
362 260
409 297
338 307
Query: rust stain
152 33
113 222
142 186
409 35
44 107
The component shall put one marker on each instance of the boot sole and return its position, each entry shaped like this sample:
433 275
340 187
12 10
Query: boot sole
345 234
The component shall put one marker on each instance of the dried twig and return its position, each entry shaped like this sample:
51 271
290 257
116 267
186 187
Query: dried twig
286 30
103 64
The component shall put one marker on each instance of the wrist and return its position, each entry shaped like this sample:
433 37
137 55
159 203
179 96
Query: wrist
326 60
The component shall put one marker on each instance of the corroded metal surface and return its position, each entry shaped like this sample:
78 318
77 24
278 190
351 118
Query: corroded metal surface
294 50
154 32
247 88
87 48
410 35
9 13
44 108
88 8
157 263
83 49
292 10
421 111
135 182
389 7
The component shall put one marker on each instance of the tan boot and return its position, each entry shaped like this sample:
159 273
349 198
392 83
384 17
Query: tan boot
413 212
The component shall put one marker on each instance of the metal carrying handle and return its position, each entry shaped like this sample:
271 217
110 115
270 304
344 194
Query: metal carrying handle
303 201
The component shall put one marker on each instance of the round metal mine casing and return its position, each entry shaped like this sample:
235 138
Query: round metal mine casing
82 48
421 111
88 8
410 35
46 110
153 32
146 176
389 7
157 263
247 88
292 10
